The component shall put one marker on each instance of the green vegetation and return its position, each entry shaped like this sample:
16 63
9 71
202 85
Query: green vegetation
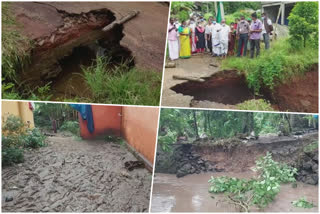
274 66
311 147
65 117
303 203
71 126
214 125
258 105
303 24
259 191
122 84
15 54
16 137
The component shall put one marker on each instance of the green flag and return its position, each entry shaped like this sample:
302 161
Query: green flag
219 18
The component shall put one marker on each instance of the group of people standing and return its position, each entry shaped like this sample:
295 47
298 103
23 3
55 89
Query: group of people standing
219 39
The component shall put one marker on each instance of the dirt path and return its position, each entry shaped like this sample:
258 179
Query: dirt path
190 194
76 176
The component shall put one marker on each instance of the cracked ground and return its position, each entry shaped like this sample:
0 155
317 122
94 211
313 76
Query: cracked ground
72 175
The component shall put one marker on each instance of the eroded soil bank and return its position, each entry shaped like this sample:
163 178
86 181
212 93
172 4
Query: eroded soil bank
61 31
236 155
225 89
190 194
76 176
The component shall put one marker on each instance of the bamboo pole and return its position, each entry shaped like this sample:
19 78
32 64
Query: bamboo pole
123 20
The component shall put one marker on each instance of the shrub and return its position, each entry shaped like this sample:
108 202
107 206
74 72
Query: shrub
11 156
258 105
71 126
303 203
34 139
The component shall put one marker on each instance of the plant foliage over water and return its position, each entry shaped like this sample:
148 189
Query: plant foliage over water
259 191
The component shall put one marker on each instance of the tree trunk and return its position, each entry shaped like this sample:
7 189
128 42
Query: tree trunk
195 124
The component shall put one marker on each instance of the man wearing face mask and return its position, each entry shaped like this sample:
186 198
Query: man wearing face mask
267 28
242 34
215 38
224 38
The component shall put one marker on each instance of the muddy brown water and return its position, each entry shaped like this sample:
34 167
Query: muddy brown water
229 87
190 194
76 176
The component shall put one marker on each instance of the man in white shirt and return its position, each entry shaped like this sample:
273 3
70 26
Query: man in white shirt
207 32
224 38
215 38
267 28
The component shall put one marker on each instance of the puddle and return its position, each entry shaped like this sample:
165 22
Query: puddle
190 194
227 87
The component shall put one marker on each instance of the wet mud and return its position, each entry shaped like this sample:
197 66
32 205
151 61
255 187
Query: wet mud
190 194
76 176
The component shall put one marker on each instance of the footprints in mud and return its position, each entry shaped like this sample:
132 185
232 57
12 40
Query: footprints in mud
60 178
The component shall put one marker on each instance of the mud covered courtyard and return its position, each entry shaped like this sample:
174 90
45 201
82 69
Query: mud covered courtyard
72 175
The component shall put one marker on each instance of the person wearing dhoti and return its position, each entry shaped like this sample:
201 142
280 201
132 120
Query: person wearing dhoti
173 42
215 38
224 38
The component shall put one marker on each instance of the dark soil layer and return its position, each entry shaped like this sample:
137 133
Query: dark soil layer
76 176
234 155
300 94
227 87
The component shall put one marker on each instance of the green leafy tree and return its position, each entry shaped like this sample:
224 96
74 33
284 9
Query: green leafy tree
303 23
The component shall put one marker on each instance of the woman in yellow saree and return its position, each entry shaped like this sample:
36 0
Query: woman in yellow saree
185 46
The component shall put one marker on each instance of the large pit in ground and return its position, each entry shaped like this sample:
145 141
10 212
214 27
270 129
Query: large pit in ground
59 58
229 87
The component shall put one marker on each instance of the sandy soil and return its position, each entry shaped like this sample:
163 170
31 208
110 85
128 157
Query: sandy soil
76 176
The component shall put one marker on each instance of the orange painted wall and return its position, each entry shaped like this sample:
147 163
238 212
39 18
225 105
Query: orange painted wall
139 127
107 120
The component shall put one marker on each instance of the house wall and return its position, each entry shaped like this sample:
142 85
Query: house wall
20 109
139 127
106 121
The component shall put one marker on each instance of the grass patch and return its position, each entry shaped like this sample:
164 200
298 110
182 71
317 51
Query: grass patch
14 45
121 84
303 203
258 105
274 66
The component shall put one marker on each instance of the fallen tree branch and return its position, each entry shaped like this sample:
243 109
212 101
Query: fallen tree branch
123 20
195 79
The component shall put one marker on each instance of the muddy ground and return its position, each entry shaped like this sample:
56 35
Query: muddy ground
224 89
76 176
